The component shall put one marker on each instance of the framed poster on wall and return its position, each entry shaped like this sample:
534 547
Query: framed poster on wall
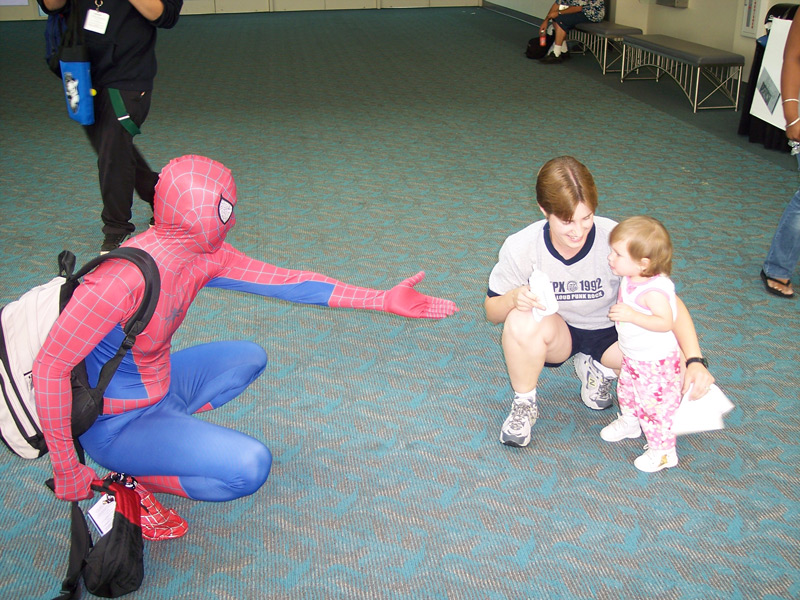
750 18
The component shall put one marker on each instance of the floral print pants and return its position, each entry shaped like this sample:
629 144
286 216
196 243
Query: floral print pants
651 390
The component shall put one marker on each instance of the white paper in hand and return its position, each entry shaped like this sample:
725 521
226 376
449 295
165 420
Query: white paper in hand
542 287
703 414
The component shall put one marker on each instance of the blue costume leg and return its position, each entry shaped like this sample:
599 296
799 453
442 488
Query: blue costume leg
209 375
210 462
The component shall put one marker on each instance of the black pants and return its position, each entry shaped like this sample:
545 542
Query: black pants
121 167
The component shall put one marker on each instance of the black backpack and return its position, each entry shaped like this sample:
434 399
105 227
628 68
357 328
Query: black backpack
114 566
536 50
53 36
63 38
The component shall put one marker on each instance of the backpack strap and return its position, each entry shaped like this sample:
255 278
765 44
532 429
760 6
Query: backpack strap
152 282
66 263
142 316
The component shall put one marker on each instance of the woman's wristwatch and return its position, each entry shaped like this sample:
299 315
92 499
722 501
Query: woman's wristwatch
697 359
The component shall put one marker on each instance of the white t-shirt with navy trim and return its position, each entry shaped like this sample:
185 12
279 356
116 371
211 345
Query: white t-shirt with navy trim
584 285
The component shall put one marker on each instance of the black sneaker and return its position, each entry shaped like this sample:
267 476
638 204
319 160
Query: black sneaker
112 241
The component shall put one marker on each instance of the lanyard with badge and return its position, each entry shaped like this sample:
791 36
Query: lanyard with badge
96 20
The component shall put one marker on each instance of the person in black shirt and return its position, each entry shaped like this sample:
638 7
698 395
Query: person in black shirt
121 38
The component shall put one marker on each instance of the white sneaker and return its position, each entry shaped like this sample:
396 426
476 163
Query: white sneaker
655 460
595 385
624 426
516 430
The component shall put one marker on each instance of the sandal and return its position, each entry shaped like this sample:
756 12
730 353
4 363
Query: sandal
775 291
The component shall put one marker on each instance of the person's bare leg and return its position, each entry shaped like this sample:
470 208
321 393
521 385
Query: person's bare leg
527 345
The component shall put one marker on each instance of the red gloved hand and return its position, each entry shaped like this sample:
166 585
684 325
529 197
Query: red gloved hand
75 484
405 301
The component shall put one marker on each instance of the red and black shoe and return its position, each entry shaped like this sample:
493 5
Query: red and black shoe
158 522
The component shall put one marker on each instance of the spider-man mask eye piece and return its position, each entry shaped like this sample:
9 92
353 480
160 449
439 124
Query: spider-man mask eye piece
225 209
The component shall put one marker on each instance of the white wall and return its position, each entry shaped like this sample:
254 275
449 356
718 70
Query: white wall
716 23
20 13
536 8
195 7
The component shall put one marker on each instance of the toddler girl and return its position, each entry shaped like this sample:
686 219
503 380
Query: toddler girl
649 388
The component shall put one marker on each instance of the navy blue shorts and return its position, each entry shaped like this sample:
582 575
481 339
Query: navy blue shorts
568 21
593 342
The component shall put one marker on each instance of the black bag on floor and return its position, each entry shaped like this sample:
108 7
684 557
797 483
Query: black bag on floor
115 565
535 48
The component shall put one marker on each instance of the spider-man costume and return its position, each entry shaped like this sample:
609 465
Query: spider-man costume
147 429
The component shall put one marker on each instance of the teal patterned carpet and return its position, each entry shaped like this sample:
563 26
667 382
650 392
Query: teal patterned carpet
368 145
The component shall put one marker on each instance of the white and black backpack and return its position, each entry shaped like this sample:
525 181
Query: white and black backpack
24 327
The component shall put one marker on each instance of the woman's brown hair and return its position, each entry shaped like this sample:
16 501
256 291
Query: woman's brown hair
562 184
